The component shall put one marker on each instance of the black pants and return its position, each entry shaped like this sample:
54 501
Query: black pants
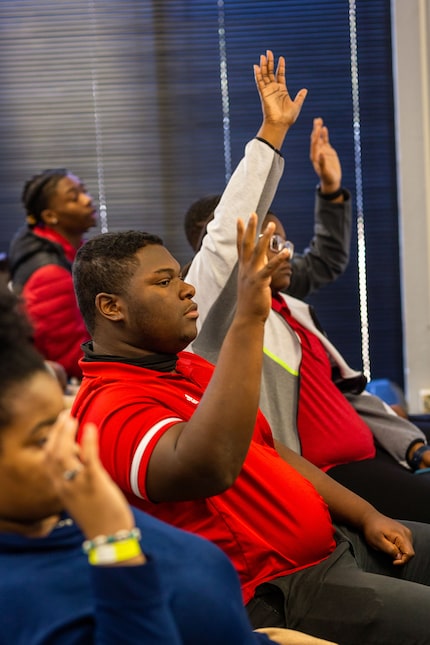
391 488
355 597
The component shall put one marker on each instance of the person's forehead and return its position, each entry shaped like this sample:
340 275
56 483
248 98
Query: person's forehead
155 258
36 403
280 230
69 182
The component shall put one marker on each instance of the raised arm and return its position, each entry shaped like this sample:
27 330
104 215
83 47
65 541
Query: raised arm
325 160
327 256
251 187
280 111
204 456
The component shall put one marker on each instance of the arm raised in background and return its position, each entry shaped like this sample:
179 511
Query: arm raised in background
327 256
251 187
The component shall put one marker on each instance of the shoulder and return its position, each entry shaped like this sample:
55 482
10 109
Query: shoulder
30 252
51 282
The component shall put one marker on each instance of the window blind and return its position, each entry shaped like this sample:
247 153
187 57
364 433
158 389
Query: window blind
151 104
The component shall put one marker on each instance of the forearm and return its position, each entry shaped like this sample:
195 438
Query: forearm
225 418
327 255
273 133
344 505
215 441
250 189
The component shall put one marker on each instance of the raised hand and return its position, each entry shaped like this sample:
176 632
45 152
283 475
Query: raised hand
254 297
324 158
277 105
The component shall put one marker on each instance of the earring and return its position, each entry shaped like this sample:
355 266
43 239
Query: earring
54 221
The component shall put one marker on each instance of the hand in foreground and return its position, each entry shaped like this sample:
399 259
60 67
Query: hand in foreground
324 158
88 493
291 637
387 535
276 103
254 296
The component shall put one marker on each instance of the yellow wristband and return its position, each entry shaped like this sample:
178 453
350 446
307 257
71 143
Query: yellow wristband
114 552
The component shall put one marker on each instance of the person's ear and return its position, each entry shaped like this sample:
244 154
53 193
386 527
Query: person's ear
110 306
49 217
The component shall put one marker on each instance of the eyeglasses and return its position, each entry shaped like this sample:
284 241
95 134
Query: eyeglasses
277 243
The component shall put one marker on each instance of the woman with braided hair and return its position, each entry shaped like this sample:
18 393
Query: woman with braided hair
59 211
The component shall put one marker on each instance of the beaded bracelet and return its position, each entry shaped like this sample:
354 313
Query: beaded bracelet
111 549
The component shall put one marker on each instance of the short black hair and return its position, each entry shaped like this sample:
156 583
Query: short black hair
106 263
197 216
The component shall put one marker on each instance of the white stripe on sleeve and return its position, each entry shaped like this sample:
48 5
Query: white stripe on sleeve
140 450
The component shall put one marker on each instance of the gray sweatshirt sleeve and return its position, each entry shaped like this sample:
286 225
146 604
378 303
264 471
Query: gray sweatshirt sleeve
250 189
392 432
327 256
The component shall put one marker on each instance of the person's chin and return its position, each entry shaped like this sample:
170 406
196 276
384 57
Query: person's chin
282 284
188 337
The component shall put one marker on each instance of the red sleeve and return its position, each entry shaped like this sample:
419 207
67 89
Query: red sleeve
58 325
129 426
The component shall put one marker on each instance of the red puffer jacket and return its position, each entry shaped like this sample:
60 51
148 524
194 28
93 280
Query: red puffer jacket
40 262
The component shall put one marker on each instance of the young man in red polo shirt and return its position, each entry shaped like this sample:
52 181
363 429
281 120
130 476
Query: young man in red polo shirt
187 443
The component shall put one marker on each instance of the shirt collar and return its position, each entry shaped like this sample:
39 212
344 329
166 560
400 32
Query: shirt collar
157 362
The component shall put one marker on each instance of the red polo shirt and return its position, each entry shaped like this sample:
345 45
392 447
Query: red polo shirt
271 522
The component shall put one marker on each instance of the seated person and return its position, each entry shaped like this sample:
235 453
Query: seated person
313 400
186 443
327 256
59 212
145 583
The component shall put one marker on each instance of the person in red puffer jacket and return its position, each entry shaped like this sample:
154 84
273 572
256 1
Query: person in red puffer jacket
59 210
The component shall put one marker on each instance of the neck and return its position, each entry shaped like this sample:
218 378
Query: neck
119 348
75 239
31 529
149 360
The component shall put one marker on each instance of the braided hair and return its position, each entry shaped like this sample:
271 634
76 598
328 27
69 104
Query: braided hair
38 191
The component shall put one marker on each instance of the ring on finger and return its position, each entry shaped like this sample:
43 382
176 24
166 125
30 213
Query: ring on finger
69 475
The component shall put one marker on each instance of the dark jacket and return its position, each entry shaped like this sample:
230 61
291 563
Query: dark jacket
40 264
